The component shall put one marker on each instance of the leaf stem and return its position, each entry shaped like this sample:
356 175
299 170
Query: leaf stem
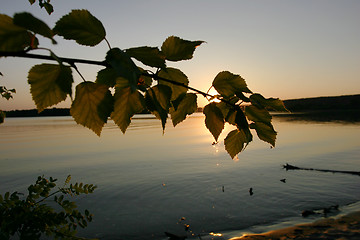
72 61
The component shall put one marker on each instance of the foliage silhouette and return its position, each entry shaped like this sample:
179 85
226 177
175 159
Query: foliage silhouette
34 215
123 88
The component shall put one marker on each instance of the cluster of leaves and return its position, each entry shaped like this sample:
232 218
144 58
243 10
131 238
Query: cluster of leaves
162 90
33 216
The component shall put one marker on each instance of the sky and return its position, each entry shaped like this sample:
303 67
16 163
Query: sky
283 49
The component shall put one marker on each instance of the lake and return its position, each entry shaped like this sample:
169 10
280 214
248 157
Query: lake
150 183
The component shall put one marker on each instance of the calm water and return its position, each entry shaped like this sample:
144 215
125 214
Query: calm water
148 181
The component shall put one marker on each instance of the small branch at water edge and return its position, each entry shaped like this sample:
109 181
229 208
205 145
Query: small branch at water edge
291 167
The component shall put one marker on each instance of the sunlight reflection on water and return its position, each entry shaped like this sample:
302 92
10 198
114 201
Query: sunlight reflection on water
148 180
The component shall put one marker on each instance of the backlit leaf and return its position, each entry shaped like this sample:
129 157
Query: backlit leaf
13 37
48 7
235 141
177 49
29 22
228 112
123 66
256 114
81 26
92 105
157 100
144 81
107 76
228 84
265 132
177 76
271 103
214 119
49 84
150 56
127 103
187 106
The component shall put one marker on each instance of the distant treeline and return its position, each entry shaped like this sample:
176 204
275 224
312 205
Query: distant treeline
34 112
323 109
346 102
318 104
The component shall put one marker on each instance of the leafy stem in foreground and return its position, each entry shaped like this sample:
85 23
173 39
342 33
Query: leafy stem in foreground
122 88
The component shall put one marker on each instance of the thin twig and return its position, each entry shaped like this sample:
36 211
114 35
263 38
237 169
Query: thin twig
72 61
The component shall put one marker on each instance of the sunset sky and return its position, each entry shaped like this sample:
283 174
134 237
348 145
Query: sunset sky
284 49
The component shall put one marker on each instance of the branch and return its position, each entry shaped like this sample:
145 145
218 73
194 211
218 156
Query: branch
156 77
72 61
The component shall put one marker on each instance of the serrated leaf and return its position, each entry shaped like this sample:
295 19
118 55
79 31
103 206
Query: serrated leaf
235 141
127 103
12 37
92 105
177 76
256 114
49 8
214 119
144 81
187 106
49 84
157 100
228 84
265 132
150 56
106 76
81 26
177 49
124 66
272 103
31 23
228 112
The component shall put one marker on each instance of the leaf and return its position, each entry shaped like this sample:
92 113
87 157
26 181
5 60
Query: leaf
265 132
228 84
49 8
256 114
214 119
49 84
12 37
228 112
157 100
123 66
127 103
107 76
92 105
81 26
187 106
175 75
144 81
177 49
234 142
272 103
150 56
31 23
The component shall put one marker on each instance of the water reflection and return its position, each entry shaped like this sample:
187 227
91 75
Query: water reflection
148 180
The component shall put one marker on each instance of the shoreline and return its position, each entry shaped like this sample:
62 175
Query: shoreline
345 225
